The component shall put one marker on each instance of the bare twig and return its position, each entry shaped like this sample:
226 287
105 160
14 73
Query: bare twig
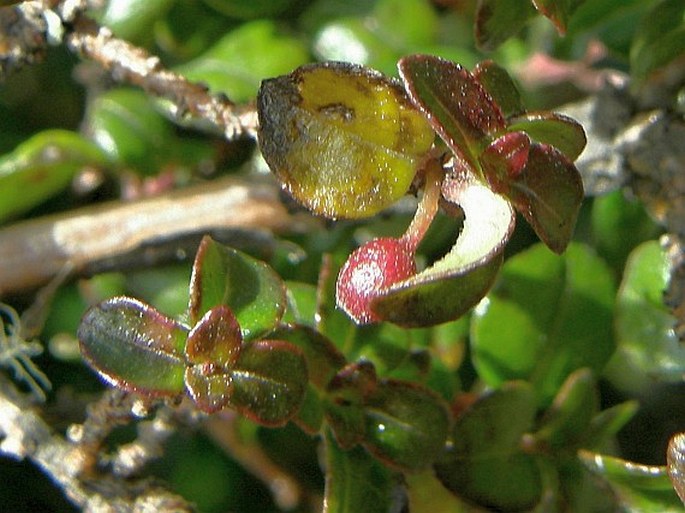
24 434
128 63
33 251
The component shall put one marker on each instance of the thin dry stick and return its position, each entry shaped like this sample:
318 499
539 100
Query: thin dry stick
128 63
33 251
25 435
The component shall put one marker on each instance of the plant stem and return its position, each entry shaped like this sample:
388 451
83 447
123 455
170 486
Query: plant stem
427 208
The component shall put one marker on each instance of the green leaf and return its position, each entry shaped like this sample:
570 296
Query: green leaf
302 304
134 347
659 39
249 10
486 449
213 347
406 424
345 398
559 11
225 276
567 420
427 495
458 107
640 488
42 167
133 20
675 457
125 124
378 38
648 348
344 140
547 192
355 481
498 20
269 382
322 357
619 224
548 316
323 361
237 63
557 130
500 86
456 282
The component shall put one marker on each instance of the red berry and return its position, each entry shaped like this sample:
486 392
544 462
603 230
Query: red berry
370 269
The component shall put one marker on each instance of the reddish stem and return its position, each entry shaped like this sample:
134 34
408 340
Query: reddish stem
427 208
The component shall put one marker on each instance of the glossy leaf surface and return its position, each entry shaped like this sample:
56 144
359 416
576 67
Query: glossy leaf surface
406 424
499 84
486 449
547 192
638 487
458 107
225 276
125 124
269 382
42 167
456 282
133 346
356 481
237 62
648 347
212 349
344 140
552 128
547 316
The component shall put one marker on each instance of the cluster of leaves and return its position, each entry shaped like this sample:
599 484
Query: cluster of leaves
397 408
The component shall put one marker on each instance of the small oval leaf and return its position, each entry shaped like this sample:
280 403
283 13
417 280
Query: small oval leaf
637 487
486 449
41 167
458 107
344 140
501 87
269 382
498 20
215 339
406 424
208 386
133 346
558 130
250 288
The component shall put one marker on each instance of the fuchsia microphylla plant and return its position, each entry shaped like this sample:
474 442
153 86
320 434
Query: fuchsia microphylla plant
346 141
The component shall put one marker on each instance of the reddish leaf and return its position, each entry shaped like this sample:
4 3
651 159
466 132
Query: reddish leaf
500 86
458 107
547 192
216 338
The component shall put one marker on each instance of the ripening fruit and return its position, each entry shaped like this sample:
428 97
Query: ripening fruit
370 269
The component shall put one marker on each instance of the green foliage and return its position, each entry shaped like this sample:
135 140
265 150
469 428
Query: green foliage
42 167
547 316
436 406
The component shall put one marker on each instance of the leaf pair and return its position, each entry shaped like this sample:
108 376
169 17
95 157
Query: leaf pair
233 297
